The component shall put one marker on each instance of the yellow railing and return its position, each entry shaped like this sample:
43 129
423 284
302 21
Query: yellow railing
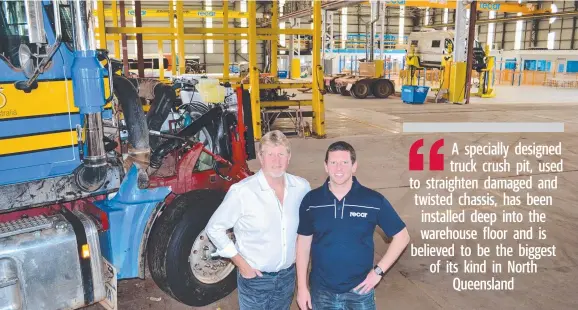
177 32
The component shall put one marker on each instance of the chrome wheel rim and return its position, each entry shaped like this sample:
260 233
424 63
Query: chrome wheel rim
207 267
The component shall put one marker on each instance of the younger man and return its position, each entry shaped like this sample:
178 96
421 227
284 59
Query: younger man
337 222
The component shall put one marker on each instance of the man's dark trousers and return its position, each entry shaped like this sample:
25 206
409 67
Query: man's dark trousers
272 291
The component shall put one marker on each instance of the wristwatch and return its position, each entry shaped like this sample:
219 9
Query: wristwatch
378 271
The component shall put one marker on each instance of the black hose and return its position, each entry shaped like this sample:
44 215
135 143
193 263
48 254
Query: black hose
138 132
160 109
168 146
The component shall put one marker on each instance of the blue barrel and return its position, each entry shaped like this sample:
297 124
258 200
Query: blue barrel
414 94
282 74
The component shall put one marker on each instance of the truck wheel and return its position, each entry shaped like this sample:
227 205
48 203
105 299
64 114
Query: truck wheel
343 91
352 93
381 89
333 87
360 90
391 87
179 251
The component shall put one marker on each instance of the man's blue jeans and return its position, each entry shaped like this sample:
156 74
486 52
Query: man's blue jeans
273 291
325 300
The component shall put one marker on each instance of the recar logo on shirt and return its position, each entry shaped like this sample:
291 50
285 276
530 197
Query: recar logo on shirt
358 214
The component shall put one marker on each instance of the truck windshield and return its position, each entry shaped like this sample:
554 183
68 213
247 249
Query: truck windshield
13 30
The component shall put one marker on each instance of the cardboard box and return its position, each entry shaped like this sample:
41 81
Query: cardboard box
367 69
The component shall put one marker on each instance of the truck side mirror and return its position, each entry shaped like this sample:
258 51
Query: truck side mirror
35 22
27 62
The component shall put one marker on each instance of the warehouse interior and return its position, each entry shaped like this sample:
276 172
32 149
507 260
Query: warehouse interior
527 72
323 71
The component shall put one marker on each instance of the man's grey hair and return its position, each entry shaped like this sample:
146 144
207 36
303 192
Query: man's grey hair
275 138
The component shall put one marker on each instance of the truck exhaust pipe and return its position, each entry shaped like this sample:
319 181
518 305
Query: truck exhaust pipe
92 173
375 6
89 98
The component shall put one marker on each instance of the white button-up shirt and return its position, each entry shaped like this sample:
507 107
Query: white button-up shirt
265 231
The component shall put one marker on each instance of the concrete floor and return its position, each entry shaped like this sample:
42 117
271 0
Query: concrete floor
373 127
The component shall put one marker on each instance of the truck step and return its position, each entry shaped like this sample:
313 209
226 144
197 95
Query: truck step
24 225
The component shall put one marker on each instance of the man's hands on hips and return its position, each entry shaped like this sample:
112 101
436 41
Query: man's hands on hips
368 284
397 245
249 273
304 299
245 269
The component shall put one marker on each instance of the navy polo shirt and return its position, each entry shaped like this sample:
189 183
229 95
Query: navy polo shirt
342 249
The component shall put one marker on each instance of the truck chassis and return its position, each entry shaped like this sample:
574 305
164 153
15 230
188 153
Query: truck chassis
359 87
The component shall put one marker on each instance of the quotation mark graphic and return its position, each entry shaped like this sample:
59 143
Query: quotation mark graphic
436 160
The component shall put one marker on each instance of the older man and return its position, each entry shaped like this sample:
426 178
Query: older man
263 211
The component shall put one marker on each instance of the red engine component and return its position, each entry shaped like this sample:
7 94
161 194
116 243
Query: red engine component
185 179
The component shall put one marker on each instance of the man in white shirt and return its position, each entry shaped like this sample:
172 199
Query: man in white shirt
263 211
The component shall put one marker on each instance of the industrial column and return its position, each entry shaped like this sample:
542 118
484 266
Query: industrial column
382 6
457 89
181 36
101 25
123 38
226 42
470 53
253 70
139 39
173 50
274 40
317 81
115 24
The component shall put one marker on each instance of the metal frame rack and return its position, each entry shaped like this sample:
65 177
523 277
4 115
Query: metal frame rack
179 33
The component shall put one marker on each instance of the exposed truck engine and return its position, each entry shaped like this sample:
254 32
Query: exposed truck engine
94 186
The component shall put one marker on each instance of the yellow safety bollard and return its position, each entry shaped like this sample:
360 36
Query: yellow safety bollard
296 68
378 68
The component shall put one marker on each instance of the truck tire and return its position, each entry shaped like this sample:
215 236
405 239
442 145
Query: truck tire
343 91
391 87
382 89
333 87
352 93
177 242
360 90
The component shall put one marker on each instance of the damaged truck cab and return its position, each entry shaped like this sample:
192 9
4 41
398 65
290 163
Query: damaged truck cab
92 189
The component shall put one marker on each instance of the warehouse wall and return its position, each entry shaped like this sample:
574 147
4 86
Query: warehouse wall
358 16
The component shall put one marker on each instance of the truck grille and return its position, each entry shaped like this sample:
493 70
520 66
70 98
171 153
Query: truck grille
25 225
